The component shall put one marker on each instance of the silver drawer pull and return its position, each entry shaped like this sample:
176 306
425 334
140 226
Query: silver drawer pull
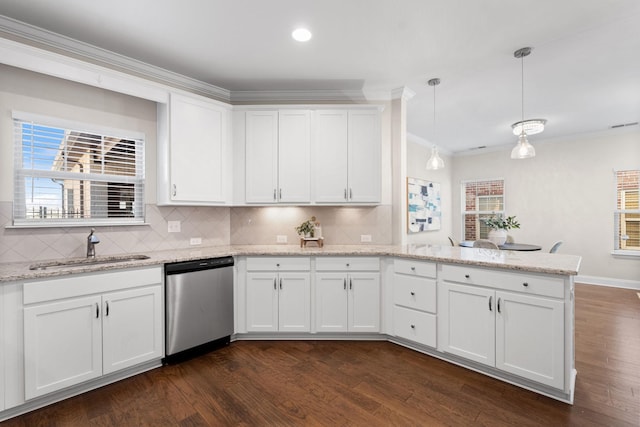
413 269
413 326
525 284
466 276
413 294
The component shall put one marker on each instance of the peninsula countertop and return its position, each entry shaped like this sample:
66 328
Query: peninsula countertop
535 262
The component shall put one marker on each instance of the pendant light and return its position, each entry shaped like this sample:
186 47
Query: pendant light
435 162
523 149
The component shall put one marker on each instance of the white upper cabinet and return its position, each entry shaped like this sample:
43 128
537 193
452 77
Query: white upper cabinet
347 156
194 152
277 153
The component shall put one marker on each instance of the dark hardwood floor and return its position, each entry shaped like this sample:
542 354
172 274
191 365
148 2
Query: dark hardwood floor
257 383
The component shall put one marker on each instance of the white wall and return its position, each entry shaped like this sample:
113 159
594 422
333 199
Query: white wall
417 156
564 193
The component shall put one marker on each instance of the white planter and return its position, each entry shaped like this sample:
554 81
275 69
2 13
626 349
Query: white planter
498 236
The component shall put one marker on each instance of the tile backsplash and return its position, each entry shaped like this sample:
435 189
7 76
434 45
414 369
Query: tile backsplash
211 224
214 225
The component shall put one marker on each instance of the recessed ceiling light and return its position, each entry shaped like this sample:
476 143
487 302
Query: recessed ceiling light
301 35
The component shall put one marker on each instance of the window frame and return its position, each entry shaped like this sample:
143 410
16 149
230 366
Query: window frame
478 213
105 181
619 215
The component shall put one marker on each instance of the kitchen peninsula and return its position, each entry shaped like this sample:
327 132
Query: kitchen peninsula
509 315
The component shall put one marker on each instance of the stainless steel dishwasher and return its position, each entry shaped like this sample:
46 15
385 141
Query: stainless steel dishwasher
199 306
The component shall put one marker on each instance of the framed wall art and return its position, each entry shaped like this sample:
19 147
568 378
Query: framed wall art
424 206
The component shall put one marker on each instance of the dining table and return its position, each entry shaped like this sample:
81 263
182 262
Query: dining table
507 246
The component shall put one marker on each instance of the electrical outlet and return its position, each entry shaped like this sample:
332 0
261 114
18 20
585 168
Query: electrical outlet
173 226
195 241
281 238
364 238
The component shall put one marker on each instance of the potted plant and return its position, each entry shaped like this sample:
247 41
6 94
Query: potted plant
307 228
499 226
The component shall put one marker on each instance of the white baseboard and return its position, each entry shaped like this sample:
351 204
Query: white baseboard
608 281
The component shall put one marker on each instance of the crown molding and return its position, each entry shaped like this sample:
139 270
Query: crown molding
49 41
334 95
403 93
39 37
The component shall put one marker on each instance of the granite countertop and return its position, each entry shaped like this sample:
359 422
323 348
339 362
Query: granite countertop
537 262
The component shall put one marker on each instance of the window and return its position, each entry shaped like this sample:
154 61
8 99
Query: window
68 173
480 200
627 213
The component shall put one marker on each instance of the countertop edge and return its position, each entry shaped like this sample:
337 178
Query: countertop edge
506 260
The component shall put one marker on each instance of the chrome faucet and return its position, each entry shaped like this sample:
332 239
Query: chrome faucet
92 239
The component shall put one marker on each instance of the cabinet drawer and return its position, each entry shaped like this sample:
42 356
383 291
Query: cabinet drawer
347 264
529 283
415 325
415 292
416 268
278 264
89 283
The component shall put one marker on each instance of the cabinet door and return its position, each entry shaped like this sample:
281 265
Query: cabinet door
131 327
364 302
330 156
62 344
530 337
469 322
262 302
294 302
364 156
261 156
331 302
197 141
294 156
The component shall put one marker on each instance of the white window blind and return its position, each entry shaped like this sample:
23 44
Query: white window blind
67 173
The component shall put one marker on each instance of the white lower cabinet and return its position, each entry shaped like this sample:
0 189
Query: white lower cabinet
278 300
415 302
519 333
69 340
347 294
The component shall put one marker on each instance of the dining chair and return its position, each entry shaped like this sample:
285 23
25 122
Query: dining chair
555 247
486 244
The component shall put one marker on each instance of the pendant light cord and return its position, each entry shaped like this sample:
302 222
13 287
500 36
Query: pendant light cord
522 76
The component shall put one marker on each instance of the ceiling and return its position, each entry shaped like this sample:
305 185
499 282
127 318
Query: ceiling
583 75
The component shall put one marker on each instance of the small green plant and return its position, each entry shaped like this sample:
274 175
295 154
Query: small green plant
307 228
498 222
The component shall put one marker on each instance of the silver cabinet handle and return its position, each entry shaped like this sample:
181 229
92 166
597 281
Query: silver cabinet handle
175 190
525 284
350 283
280 194
106 308
490 309
274 283
466 276
97 310
344 284
345 194
413 326
280 283
350 194
498 306
413 269
274 195
413 294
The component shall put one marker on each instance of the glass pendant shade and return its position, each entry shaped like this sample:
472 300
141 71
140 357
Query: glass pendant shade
523 150
435 162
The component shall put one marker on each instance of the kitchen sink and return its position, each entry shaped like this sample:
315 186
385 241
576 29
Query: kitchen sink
83 262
